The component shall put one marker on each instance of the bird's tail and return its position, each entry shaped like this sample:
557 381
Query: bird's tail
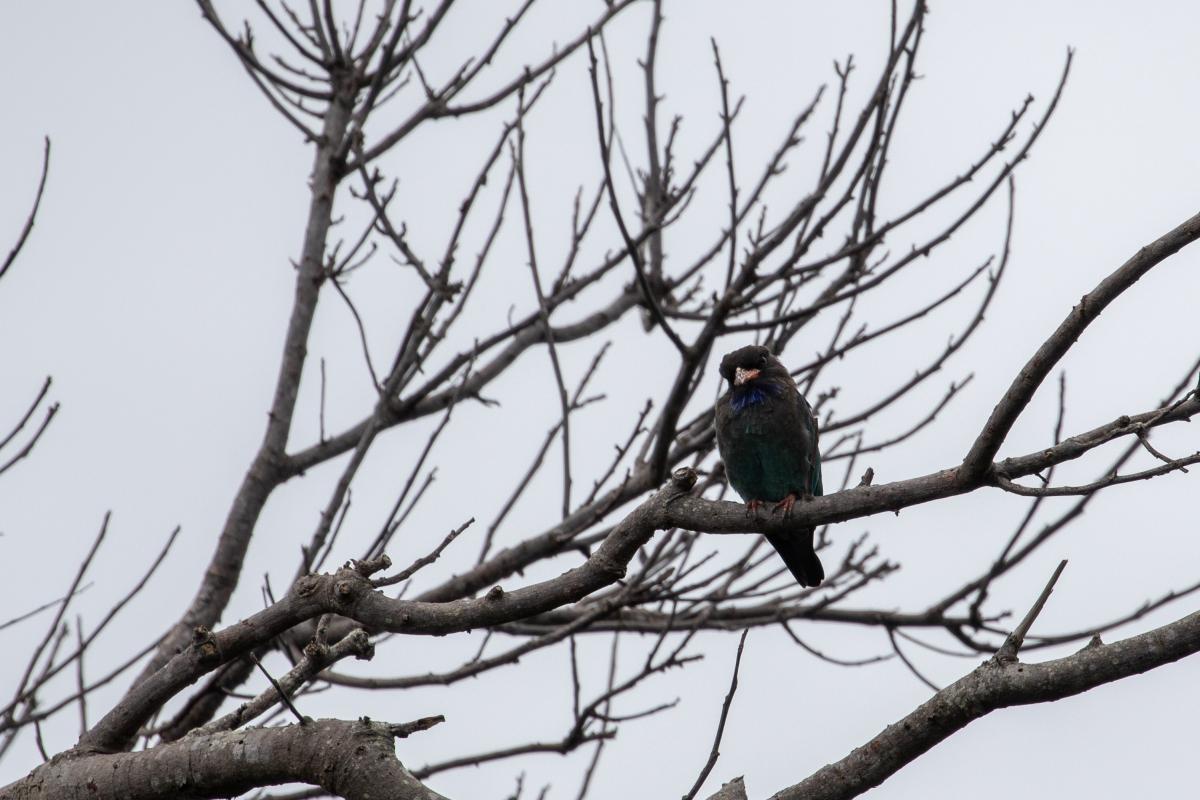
797 553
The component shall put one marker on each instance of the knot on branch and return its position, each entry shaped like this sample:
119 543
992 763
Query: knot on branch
351 581
403 729
370 566
359 643
317 651
306 585
344 592
683 479
446 289
205 645
734 790
608 565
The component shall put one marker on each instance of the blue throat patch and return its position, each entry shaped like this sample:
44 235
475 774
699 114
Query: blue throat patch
752 394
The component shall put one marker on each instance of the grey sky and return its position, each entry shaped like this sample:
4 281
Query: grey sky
156 285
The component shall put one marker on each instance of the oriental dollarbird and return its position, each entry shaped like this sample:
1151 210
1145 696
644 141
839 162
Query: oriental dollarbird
767 436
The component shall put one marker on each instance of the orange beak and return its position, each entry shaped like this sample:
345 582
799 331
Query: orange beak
741 376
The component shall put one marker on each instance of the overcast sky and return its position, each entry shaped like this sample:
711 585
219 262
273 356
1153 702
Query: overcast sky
156 286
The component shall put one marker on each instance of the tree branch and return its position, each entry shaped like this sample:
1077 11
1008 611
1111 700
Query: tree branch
355 760
995 684
1022 389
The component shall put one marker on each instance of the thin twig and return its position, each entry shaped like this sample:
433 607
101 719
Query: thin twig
1012 645
631 249
29 220
282 694
715 752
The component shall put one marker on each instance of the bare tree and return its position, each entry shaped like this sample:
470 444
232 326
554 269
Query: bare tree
785 258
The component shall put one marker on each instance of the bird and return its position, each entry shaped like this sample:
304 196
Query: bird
767 437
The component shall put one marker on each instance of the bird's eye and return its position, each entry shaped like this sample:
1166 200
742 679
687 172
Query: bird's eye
762 361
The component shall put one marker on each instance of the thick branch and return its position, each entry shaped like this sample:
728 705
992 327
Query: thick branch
355 760
349 592
995 684
264 474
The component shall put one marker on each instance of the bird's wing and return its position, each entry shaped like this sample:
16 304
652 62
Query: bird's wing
802 432
818 487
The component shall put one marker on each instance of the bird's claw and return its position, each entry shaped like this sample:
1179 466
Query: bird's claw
752 507
786 504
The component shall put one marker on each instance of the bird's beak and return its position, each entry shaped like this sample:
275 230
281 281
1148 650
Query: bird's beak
741 376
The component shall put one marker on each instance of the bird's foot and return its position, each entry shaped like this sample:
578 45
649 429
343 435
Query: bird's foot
786 504
752 507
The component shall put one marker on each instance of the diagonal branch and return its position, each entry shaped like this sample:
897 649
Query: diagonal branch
1012 645
715 752
995 684
29 220
1022 389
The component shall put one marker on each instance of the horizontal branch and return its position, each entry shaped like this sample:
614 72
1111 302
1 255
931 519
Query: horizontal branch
355 760
350 593
1175 465
694 513
732 618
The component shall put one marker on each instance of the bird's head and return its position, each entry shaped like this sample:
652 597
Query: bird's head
752 363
